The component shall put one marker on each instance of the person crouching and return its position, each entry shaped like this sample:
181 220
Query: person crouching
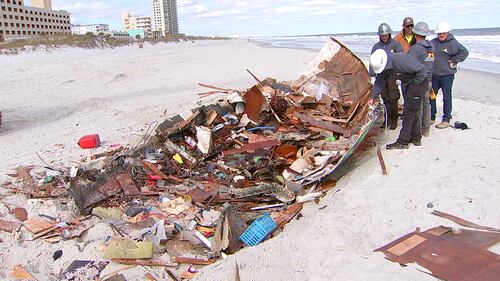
413 76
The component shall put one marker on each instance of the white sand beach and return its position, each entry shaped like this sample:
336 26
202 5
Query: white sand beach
50 100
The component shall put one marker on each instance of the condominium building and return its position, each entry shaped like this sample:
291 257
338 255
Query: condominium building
135 22
165 17
17 20
92 28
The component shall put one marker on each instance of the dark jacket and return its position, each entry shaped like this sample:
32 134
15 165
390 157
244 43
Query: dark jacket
391 47
400 37
425 53
448 51
409 71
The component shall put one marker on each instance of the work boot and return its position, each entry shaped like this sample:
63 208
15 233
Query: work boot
416 143
443 125
396 145
425 132
393 127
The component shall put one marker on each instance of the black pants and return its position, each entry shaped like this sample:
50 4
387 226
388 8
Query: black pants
412 124
390 96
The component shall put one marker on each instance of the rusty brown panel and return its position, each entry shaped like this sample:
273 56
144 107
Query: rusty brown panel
330 126
252 147
111 187
127 184
455 255
253 103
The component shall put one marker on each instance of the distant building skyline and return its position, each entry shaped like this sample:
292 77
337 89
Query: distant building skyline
92 28
292 17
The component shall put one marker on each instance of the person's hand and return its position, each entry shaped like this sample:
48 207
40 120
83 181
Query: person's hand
370 102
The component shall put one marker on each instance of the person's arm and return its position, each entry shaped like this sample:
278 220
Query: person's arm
370 70
461 54
378 86
412 65
398 48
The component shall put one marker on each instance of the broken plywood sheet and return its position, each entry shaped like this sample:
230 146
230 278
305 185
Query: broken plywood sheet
254 100
9 226
37 225
460 255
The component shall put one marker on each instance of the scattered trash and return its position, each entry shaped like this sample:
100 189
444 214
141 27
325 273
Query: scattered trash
250 157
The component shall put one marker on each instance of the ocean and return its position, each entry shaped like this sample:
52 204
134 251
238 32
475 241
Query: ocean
483 45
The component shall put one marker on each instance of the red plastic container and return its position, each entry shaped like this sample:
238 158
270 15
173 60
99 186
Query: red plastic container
89 141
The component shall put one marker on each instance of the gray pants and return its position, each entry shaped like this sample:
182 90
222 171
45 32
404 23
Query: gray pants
425 110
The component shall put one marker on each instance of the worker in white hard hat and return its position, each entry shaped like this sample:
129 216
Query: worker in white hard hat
448 54
425 53
413 77
390 92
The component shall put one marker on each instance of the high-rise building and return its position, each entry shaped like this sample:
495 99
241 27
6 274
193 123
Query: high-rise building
17 20
136 22
165 17
42 4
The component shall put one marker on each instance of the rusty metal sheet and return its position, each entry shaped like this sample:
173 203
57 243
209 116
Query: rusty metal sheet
252 147
111 187
198 195
253 103
127 184
459 255
322 124
87 194
463 222
9 226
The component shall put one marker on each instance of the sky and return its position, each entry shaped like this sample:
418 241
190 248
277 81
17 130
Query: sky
291 17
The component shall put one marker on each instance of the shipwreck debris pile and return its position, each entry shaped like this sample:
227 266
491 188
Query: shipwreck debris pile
189 193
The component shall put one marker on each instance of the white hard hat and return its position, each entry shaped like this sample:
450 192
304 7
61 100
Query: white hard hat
378 61
442 27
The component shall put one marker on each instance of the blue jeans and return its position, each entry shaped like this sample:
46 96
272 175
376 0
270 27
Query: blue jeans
445 83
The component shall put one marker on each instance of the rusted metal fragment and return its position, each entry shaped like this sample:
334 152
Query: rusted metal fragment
9 226
23 173
382 162
252 147
127 184
111 187
198 195
253 103
463 222
196 261
322 124
158 172
288 214
87 195
459 255
236 226
20 213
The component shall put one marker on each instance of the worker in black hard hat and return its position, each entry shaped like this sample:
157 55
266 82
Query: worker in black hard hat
390 92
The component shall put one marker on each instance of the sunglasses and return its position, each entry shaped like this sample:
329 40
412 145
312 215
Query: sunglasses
411 25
